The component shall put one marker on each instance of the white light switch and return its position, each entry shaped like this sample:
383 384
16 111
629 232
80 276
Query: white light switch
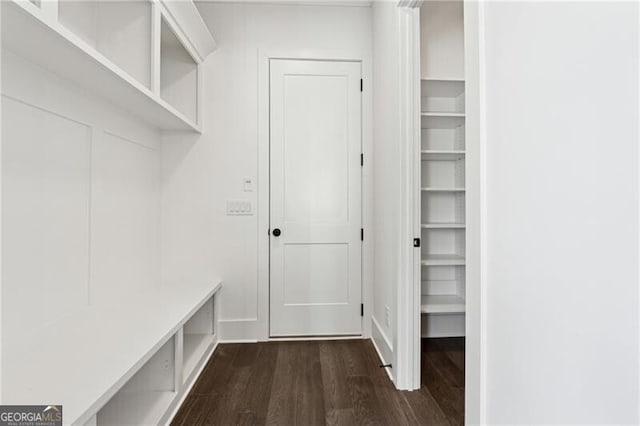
239 208
247 184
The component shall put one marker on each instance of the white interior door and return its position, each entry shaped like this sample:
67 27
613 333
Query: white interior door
315 126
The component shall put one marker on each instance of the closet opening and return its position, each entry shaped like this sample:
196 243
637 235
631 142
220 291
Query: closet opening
444 214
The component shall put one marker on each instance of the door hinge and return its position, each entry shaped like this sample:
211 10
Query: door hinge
361 85
361 234
362 309
361 159
416 242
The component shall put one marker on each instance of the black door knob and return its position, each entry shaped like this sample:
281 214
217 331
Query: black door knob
277 232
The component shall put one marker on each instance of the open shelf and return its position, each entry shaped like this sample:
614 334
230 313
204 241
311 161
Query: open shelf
442 225
443 114
57 49
442 189
443 139
198 336
195 345
443 260
442 280
442 207
124 408
444 173
446 79
120 30
178 74
443 155
442 120
442 304
146 397
443 243
442 96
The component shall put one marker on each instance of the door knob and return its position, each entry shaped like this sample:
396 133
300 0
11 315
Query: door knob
277 232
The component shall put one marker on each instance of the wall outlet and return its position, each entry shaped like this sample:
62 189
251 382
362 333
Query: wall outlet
387 316
239 208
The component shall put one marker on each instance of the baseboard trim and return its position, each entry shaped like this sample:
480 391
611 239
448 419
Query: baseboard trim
382 346
239 330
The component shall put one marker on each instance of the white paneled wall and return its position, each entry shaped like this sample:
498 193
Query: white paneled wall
201 174
46 220
125 220
81 203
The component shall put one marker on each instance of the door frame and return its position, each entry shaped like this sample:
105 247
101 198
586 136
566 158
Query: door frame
408 296
261 321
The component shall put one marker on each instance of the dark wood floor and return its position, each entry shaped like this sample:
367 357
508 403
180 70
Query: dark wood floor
323 382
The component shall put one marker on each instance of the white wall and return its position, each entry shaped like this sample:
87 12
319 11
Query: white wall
201 174
561 103
81 199
387 162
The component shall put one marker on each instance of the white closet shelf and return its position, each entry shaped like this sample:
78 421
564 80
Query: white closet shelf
442 304
443 225
443 260
442 120
443 79
125 404
443 114
442 189
110 344
50 45
451 155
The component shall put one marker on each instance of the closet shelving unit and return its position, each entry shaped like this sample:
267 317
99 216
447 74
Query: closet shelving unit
115 50
443 197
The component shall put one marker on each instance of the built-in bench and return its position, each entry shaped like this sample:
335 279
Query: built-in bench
121 365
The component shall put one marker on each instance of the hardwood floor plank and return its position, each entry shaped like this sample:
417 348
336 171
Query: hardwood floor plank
334 377
228 403
310 408
366 406
450 399
217 374
195 410
425 408
282 402
452 347
255 402
396 409
354 361
340 417
437 354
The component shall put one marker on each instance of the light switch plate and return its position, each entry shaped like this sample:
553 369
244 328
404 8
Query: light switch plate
247 184
239 208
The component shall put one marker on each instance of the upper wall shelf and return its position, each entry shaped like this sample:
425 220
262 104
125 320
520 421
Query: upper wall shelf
45 41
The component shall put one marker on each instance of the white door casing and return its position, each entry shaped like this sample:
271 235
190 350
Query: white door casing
315 193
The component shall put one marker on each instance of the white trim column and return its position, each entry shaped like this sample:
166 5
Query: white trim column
407 346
